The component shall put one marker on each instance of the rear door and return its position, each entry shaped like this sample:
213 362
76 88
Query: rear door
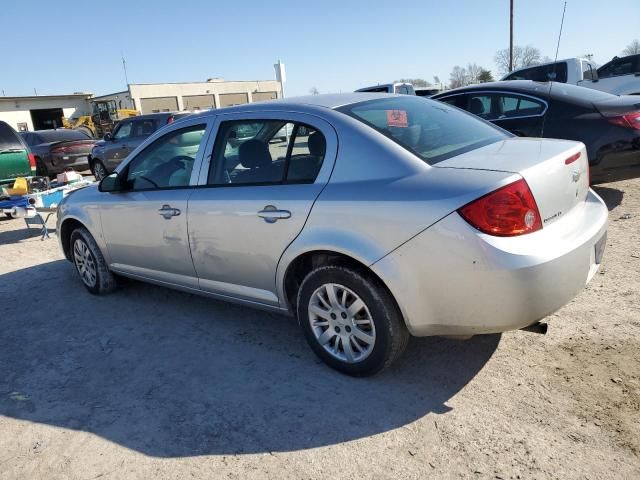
254 198
14 160
521 115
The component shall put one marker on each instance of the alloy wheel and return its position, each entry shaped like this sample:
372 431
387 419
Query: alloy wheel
341 323
99 172
85 263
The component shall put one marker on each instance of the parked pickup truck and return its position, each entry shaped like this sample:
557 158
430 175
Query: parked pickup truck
621 76
402 88
576 71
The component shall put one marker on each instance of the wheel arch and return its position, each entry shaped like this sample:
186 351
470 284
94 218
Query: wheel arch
67 227
302 264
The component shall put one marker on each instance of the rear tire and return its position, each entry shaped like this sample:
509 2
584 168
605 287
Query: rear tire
350 320
99 170
90 264
41 168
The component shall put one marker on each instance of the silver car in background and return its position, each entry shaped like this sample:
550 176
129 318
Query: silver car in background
379 217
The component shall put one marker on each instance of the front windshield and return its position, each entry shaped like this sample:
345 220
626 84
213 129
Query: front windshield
431 130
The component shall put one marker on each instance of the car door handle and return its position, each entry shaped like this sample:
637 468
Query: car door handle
167 212
271 214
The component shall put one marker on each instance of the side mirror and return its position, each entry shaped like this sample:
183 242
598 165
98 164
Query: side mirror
107 137
110 183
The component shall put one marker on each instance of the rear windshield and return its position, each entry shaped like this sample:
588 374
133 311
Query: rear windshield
61 135
544 73
431 130
9 139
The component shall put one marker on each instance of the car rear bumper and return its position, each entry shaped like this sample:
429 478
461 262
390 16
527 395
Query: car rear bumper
453 280
58 164
617 166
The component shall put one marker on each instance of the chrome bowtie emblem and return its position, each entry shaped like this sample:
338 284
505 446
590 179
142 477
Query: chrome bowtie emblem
576 176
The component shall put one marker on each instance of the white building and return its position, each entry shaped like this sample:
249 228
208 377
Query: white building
46 111
40 112
214 93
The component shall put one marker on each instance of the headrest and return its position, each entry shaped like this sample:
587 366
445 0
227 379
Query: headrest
317 145
254 154
476 107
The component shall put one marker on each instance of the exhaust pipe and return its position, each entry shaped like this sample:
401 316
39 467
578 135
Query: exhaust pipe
537 327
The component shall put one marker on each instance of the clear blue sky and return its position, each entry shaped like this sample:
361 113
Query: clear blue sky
67 46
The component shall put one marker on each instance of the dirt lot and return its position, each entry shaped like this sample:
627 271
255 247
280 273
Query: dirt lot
150 383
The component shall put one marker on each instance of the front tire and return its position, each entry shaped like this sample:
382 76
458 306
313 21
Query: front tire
99 170
350 320
90 264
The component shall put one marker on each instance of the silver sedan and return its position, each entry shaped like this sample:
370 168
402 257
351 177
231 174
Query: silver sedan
378 217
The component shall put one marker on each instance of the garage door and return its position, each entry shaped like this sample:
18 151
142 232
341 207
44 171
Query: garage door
228 99
261 96
198 102
159 104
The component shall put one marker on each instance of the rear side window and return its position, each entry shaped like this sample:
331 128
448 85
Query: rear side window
9 139
431 130
513 106
556 72
143 128
266 152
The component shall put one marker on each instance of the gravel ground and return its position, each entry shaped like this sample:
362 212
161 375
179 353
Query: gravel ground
152 383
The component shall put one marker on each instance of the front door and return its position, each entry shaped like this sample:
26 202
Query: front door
145 225
255 198
117 147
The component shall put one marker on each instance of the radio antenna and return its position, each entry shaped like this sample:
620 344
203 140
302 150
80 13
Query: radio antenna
552 76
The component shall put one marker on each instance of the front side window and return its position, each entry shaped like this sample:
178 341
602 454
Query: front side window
260 152
480 105
123 131
167 162
431 130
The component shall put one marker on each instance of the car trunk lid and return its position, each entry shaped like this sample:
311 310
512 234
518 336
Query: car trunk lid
556 171
618 105
72 147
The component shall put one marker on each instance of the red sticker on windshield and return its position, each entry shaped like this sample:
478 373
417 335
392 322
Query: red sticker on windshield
397 118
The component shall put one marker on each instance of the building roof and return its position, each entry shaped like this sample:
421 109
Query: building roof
47 97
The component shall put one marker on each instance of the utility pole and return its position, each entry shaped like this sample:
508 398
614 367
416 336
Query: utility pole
511 36
124 67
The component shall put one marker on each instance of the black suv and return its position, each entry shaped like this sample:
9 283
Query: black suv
126 136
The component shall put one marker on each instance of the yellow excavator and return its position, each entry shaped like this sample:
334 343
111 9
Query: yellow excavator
104 118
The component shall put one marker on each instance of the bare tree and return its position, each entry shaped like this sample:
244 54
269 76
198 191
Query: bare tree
522 57
473 73
458 77
314 91
416 82
632 48
436 80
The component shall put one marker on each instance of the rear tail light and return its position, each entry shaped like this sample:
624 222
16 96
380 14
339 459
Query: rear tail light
506 212
32 162
170 119
629 120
